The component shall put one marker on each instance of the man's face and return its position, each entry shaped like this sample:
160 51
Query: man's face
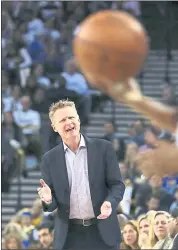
67 123
45 237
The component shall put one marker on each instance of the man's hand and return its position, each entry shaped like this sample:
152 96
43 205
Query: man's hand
45 192
106 210
161 161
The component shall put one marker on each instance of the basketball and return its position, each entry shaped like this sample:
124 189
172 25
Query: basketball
110 46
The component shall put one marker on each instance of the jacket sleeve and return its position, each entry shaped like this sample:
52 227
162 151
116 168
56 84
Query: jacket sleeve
113 178
45 175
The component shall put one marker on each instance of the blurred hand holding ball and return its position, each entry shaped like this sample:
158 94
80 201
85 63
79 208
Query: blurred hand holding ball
110 47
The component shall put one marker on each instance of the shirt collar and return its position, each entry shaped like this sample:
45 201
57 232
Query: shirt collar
82 143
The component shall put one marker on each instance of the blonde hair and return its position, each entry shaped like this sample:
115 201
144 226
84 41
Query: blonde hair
151 237
59 105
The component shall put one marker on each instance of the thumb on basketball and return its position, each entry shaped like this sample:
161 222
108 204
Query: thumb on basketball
43 183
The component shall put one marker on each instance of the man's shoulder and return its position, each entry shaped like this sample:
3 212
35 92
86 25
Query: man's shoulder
52 151
98 141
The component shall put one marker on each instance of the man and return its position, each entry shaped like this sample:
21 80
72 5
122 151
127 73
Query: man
45 235
81 179
30 123
173 229
164 116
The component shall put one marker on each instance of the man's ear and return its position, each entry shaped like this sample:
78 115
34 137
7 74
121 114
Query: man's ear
53 127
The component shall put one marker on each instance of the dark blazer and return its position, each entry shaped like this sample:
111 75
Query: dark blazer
105 185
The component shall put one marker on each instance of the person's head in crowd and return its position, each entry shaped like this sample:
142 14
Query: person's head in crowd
124 169
26 218
13 241
39 95
16 92
65 121
153 203
13 228
130 236
26 102
139 126
144 231
45 234
109 130
38 70
70 67
131 153
173 223
8 119
161 222
31 82
145 227
155 181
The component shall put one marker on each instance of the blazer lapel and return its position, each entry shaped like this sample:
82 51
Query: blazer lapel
60 174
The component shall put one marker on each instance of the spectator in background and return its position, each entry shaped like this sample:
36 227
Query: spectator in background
139 129
13 241
161 230
168 96
173 229
45 235
30 123
153 187
109 131
41 78
130 236
54 62
12 102
76 82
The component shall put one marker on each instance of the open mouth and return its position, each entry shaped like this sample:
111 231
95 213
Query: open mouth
70 129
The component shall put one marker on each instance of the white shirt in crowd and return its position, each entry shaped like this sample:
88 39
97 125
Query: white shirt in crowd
10 104
76 82
29 117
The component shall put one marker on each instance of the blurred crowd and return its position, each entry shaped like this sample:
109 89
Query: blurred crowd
38 69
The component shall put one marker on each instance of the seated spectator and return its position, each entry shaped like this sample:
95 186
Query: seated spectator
153 187
173 228
41 79
37 213
161 230
139 129
152 204
40 102
50 29
31 86
13 241
13 102
145 227
54 61
130 236
76 82
29 121
45 235
109 131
